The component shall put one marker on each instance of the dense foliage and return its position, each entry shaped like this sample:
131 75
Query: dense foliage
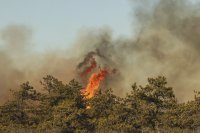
62 108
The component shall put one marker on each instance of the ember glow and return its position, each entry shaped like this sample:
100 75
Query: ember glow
93 65
94 82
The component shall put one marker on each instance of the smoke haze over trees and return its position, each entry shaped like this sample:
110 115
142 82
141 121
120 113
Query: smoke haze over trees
166 43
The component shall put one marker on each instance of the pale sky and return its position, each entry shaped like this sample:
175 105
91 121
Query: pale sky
56 23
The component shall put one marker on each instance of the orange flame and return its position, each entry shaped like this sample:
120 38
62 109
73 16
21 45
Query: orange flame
94 83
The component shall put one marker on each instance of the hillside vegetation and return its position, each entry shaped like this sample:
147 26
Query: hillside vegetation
62 108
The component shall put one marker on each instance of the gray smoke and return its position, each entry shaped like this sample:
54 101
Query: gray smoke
19 62
166 43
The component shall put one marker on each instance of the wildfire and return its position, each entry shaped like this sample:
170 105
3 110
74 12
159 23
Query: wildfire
94 82
93 65
89 66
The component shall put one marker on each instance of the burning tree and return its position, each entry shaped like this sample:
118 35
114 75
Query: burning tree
89 68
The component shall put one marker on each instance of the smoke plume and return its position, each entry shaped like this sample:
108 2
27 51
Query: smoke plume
19 62
167 43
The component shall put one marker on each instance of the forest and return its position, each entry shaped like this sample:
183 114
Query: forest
62 108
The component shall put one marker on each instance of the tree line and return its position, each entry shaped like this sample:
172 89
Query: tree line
61 108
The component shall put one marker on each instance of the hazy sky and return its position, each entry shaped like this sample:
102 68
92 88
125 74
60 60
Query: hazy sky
56 23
